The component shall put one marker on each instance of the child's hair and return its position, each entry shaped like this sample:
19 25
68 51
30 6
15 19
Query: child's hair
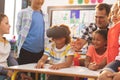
2 16
102 32
59 31
115 8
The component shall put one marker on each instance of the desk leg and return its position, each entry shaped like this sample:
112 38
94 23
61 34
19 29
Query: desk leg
14 75
36 76
42 76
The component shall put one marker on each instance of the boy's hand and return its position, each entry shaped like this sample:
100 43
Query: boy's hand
39 64
56 66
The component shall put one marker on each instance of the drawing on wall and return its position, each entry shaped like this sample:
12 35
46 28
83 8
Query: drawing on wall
74 16
75 19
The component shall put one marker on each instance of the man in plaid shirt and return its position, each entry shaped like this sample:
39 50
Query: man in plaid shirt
102 11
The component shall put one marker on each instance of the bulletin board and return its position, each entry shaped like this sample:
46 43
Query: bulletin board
76 17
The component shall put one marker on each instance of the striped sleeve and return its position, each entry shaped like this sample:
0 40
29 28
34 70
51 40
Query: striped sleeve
48 49
69 50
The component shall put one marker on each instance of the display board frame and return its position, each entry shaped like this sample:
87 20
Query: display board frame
56 11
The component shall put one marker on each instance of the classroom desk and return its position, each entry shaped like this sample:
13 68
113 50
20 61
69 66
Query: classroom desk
74 71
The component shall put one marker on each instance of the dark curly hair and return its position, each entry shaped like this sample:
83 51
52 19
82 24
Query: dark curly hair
68 38
102 32
59 31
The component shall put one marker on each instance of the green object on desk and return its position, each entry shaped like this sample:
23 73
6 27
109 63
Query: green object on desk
42 76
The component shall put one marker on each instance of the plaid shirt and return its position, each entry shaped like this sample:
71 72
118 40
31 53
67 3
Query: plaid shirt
86 33
23 24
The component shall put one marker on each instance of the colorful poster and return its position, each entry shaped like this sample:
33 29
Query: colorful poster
75 19
74 16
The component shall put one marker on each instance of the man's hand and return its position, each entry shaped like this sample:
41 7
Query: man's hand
78 44
115 76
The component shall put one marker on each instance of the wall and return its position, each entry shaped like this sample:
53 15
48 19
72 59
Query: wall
12 7
65 2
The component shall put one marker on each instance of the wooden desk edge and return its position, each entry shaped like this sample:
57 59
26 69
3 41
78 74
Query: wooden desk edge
54 73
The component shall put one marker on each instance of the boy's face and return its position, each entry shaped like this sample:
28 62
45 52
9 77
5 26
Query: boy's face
59 41
37 3
4 26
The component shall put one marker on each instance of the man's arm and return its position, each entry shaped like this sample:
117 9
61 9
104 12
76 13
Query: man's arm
85 36
78 44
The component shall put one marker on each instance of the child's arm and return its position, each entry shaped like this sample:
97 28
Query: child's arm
3 71
65 64
42 61
95 66
87 61
103 63
11 60
89 64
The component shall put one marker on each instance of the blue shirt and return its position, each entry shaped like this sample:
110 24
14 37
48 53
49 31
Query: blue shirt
34 41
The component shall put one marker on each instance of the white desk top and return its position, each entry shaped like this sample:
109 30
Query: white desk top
72 71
